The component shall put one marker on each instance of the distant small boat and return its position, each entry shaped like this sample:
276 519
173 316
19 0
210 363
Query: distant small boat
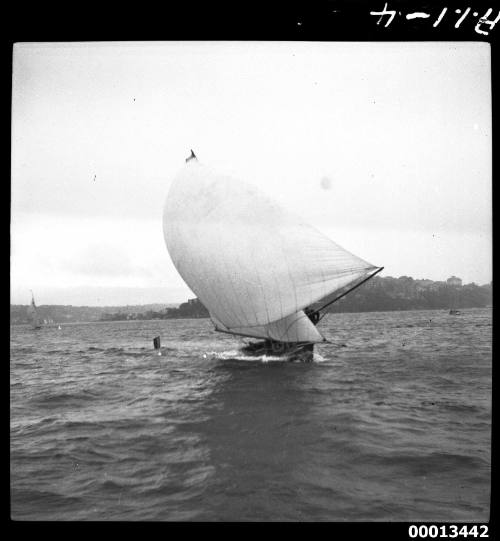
33 315
454 312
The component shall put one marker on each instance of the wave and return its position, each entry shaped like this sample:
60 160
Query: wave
209 432
426 463
64 399
453 406
47 498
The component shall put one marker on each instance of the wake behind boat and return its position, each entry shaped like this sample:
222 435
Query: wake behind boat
259 269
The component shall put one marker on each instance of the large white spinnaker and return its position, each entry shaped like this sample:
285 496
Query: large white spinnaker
253 264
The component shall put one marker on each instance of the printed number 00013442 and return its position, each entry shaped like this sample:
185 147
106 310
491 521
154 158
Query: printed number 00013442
450 530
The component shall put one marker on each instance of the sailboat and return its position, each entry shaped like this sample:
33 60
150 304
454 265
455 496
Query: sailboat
32 313
261 272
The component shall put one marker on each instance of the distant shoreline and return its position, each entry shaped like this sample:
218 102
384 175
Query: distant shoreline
100 321
380 294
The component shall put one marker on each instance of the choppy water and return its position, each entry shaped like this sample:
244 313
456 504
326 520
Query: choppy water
394 423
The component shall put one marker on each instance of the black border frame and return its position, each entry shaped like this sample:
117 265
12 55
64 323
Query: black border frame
319 20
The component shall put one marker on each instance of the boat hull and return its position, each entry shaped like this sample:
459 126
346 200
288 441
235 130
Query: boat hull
290 351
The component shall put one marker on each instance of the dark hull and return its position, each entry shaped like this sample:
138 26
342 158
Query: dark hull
289 351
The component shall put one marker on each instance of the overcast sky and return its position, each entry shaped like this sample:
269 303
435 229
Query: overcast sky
385 147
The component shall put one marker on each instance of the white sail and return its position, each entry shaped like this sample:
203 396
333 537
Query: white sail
254 265
294 328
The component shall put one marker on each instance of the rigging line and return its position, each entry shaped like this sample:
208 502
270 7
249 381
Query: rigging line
348 291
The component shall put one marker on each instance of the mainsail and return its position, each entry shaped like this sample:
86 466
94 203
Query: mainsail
254 265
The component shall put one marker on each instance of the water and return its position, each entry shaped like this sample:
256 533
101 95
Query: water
393 424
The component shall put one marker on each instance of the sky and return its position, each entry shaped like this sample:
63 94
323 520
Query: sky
384 147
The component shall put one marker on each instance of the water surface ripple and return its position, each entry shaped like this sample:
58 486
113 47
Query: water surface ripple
394 423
